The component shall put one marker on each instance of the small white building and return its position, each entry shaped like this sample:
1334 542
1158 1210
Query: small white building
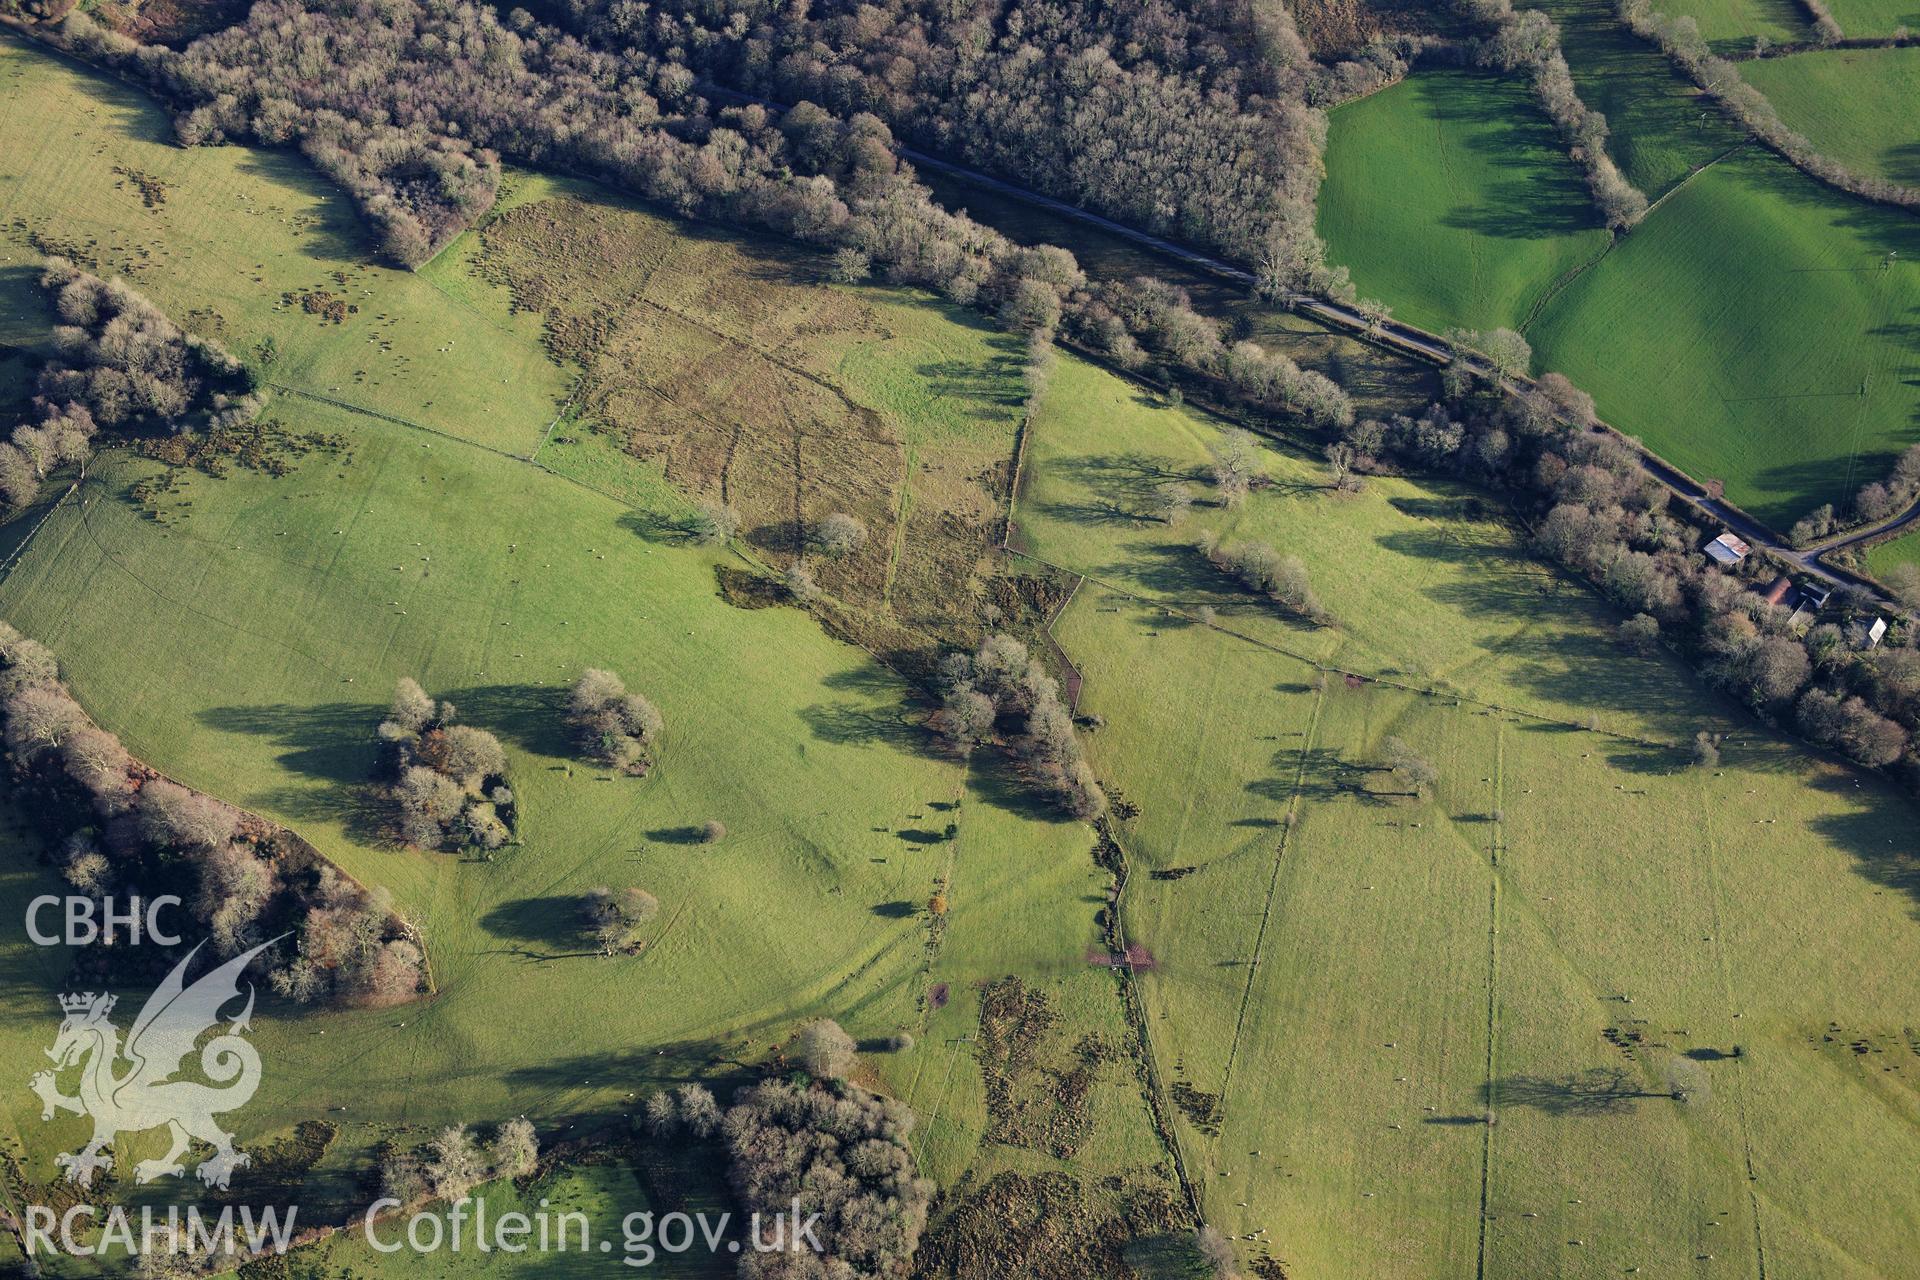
1868 635
1727 550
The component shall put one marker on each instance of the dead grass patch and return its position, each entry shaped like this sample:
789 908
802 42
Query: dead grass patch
718 358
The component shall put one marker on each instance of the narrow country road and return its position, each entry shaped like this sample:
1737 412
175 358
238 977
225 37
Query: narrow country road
1406 339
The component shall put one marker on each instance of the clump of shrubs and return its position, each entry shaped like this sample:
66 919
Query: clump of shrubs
614 726
617 918
689 1109
837 536
1002 684
1258 567
449 786
454 1162
837 1151
822 1147
119 364
351 945
800 584
826 1050
713 523
1409 768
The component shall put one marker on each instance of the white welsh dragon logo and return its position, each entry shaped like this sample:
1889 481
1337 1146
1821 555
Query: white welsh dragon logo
145 1096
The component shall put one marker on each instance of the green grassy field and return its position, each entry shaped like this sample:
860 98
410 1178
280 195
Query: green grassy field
1876 17
1328 959
1750 259
1855 105
1429 587
1659 130
1451 199
1902 550
1347 983
240 244
1732 24
274 614
1746 259
315 597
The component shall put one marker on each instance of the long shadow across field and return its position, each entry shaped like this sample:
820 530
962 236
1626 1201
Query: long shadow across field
1881 844
1545 200
330 741
1599 1091
555 922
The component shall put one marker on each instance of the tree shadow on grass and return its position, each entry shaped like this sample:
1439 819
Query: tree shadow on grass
1323 775
531 717
1095 512
678 835
333 741
1598 1091
556 921
1548 198
869 678
1168 1256
1445 507
657 526
1647 760
1127 480
696 1061
337 235
1791 489
1173 570
849 725
993 387
785 537
1878 834
1883 227
999 782
1902 162
361 809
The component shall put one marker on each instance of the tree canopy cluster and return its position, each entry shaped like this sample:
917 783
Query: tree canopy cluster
409 103
449 785
611 725
454 1162
119 364
121 828
1002 684
841 1153
1281 578
616 918
1597 510
1187 120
